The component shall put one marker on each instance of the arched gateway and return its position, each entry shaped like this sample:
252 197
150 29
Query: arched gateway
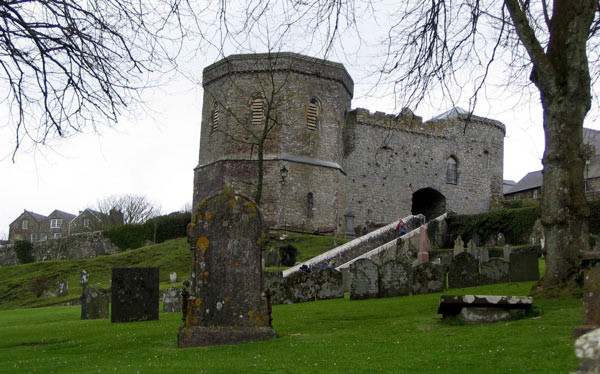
429 202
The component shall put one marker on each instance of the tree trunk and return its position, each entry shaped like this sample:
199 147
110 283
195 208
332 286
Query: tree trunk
259 178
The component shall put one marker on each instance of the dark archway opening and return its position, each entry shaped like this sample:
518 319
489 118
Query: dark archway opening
428 202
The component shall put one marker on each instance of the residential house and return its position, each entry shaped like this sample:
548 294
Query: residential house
26 227
56 225
91 220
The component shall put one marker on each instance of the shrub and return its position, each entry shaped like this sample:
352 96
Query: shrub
128 236
24 250
287 254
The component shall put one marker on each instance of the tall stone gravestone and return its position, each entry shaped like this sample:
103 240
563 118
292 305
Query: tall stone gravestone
329 284
299 287
472 249
62 287
272 258
364 277
227 304
94 303
459 246
172 300
134 294
524 267
464 271
494 271
394 279
427 278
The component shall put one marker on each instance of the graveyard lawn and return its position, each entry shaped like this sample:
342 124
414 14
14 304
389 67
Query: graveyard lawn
20 285
394 335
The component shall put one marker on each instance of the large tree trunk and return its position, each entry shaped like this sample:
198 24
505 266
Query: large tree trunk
561 74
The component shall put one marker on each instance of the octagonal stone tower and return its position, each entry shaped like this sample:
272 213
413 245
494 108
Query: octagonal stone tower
305 101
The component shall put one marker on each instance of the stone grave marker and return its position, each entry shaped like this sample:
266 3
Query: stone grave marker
472 249
423 255
173 277
299 287
507 249
62 287
364 283
464 271
329 284
394 279
483 255
459 246
428 278
84 278
500 240
227 304
524 267
272 258
274 283
587 350
172 300
591 294
94 303
495 271
134 294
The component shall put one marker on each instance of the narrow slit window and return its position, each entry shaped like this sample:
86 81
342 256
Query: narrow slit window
312 114
309 205
257 111
214 117
451 170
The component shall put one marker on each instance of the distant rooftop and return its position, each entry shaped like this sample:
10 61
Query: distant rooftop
529 182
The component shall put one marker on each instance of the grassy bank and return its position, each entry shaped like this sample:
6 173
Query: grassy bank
396 335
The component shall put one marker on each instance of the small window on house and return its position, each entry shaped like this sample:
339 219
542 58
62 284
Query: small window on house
25 225
451 170
214 117
257 110
313 112
43 237
56 223
86 222
56 235
309 205
32 238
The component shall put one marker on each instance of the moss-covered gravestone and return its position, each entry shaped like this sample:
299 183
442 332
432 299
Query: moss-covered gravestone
134 294
227 304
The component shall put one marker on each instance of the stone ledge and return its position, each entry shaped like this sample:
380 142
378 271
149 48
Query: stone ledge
197 336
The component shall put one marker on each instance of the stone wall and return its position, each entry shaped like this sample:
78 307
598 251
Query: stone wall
69 248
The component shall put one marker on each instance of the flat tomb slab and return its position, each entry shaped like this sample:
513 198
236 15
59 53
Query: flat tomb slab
451 305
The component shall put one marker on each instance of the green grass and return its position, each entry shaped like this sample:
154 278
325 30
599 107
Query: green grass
20 285
396 335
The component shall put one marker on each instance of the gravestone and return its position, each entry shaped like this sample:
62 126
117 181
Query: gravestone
423 255
483 255
524 267
459 246
299 287
428 278
476 239
227 304
500 240
172 300
173 277
84 279
62 287
494 271
591 293
464 272
329 284
272 258
507 250
274 283
472 249
94 303
134 294
364 282
587 350
394 279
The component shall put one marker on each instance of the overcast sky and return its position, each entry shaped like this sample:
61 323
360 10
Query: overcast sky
154 154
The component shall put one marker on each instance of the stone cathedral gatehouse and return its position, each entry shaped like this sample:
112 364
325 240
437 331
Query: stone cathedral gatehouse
345 166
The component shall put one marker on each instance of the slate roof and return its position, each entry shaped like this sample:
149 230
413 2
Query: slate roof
592 137
69 216
507 185
531 181
36 216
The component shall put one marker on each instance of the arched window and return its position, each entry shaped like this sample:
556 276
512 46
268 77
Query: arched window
257 110
313 111
309 205
214 117
384 156
451 170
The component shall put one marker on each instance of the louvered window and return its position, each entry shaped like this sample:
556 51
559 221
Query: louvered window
257 111
214 117
312 114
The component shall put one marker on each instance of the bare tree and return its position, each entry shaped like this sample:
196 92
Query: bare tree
135 208
70 65
451 45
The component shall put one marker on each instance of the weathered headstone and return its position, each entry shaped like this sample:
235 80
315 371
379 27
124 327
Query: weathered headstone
394 279
483 254
591 293
172 300
274 283
134 294
227 305
423 256
62 287
364 282
329 284
94 303
472 249
500 240
464 271
428 278
495 271
459 246
587 350
84 278
484 308
476 239
299 287
272 258
173 277
507 250
524 267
